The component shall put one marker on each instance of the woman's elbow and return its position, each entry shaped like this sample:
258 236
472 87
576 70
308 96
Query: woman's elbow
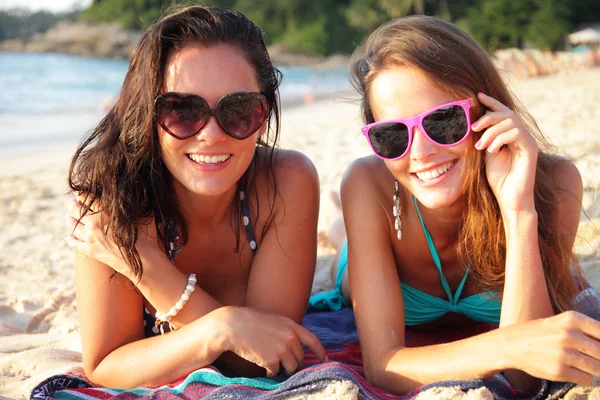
381 375
375 372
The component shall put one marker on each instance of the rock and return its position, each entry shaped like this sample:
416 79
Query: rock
81 38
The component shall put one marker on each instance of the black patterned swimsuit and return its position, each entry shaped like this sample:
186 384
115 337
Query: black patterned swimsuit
150 328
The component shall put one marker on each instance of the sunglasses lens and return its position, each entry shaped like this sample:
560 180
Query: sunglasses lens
389 140
446 125
183 116
241 115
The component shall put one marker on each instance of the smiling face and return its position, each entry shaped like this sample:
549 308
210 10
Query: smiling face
432 173
210 162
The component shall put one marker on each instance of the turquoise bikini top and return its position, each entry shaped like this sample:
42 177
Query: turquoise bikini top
421 308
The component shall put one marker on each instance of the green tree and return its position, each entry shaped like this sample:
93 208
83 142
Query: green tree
549 24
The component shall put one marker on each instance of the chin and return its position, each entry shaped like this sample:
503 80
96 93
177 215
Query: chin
437 199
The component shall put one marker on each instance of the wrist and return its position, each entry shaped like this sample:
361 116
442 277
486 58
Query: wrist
150 257
505 342
220 324
519 217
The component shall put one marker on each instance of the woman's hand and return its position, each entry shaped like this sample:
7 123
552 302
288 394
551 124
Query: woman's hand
270 341
511 155
564 347
88 237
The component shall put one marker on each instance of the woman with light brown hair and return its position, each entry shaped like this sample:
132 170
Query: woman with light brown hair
462 215
194 237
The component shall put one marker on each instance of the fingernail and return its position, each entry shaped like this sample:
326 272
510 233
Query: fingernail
483 94
326 359
478 145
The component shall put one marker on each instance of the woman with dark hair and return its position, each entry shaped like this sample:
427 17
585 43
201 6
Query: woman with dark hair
195 238
462 215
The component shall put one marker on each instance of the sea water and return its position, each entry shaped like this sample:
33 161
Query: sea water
49 98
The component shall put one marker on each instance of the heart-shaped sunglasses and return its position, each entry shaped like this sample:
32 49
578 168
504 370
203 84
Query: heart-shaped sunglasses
184 115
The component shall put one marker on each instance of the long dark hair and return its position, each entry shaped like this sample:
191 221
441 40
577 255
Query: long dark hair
118 166
453 60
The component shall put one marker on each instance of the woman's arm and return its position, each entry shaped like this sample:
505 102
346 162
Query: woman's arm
284 265
115 353
162 284
525 290
554 348
511 159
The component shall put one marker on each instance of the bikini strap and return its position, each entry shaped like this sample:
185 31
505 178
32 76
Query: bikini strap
438 263
247 222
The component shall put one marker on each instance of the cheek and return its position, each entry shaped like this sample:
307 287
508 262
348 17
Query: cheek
397 167
168 146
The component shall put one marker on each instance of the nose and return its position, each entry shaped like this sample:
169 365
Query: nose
212 132
421 147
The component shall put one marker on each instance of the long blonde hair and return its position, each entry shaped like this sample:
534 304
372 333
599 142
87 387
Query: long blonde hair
453 60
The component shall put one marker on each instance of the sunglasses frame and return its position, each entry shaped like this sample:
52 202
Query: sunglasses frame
211 111
417 121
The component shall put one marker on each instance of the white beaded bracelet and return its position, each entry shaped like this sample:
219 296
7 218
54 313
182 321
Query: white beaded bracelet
166 318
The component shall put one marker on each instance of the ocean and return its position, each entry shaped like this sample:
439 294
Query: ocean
49 99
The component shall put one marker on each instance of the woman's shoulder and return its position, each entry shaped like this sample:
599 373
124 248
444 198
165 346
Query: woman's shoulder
364 172
291 171
292 167
564 172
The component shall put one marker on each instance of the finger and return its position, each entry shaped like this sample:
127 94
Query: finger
504 138
289 363
584 343
490 118
312 342
84 203
73 226
298 352
79 231
491 103
588 325
74 208
489 135
587 365
272 369
574 375
75 244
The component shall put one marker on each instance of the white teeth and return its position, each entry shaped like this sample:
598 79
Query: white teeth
434 173
201 158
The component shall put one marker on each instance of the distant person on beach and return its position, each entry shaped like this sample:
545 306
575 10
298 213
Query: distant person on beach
194 238
461 216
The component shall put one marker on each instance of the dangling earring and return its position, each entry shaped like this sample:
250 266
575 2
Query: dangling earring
397 211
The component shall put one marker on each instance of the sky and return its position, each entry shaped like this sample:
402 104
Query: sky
48 5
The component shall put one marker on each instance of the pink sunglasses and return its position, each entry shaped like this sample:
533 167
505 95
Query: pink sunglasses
446 125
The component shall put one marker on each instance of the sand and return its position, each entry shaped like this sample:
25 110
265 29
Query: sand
38 321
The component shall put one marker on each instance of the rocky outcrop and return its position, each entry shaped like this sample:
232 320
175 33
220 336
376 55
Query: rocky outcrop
81 38
109 40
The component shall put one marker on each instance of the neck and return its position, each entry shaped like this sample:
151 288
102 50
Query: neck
205 210
443 223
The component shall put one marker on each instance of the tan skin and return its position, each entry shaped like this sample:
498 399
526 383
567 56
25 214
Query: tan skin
531 342
246 310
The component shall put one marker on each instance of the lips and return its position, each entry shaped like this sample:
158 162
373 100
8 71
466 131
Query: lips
433 173
208 159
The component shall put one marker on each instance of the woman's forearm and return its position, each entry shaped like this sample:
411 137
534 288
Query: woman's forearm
161 359
525 295
401 370
162 284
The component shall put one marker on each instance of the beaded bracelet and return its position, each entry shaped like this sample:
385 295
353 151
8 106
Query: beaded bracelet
166 318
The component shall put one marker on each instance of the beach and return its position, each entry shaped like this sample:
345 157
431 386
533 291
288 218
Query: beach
38 316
